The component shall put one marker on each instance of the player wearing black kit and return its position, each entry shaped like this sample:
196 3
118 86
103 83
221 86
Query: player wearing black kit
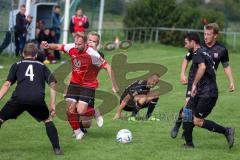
138 95
204 96
30 76
219 53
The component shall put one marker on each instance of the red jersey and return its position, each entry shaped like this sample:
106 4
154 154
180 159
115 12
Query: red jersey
76 21
85 65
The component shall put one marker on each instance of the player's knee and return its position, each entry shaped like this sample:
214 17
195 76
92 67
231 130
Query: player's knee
198 121
81 110
47 120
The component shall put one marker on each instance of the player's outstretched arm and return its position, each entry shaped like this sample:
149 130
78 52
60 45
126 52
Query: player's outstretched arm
183 77
52 46
110 72
122 105
4 89
53 94
228 72
199 74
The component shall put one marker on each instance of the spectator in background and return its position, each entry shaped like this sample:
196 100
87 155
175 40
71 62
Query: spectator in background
6 41
45 35
79 22
56 26
28 27
20 30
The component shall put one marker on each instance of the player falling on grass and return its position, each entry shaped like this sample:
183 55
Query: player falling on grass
31 76
86 64
219 54
204 95
137 96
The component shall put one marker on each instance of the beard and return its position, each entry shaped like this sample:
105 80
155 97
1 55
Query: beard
80 48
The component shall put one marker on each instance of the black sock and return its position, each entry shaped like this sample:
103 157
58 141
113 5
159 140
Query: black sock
179 120
52 134
188 129
1 123
214 127
135 112
151 107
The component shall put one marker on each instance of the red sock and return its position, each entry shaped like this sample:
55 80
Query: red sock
90 112
73 120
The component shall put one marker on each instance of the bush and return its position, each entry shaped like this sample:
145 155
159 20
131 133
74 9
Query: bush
159 13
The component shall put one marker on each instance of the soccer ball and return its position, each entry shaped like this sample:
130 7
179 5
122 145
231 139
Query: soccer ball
124 136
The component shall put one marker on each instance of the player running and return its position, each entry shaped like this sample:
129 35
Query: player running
204 95
219 53
86 64
31 76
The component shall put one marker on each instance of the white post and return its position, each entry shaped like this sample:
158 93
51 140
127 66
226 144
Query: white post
66 22
28 5
101 17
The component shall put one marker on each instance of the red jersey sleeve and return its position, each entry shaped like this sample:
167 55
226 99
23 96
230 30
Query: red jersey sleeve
67 47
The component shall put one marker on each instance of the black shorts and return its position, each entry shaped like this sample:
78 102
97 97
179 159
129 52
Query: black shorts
12 109
77 93
130 108
202 106
189 89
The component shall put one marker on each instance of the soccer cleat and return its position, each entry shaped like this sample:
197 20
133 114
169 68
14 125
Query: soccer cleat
229 134
58 151
132 118
174 131
79 135
152 118
188 146
98 117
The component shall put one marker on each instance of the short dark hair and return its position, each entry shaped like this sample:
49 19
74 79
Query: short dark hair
30 49
57 6
193 36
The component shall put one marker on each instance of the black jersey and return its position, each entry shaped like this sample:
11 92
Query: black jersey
191 74
207 86
30 76
137 88
219 53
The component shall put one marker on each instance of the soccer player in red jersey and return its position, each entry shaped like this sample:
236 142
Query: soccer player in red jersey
86 63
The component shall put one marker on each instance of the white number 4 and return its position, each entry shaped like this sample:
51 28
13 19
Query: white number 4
29 72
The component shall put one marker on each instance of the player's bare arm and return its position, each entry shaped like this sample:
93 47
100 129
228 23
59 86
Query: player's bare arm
199 74
228 72
111 75
51 46
183 77
53 94
4 89
122 105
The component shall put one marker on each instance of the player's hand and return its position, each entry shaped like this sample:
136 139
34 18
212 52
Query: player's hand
231 87
183 80
194 90
52 111
44 45
117 116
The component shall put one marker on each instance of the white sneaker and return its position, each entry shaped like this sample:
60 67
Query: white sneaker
1 67
79 135
98 117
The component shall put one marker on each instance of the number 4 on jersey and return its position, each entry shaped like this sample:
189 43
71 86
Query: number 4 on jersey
29 72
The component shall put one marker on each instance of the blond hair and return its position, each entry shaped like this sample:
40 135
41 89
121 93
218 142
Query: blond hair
212 26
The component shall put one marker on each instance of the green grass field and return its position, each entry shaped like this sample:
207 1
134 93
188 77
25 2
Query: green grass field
25 138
